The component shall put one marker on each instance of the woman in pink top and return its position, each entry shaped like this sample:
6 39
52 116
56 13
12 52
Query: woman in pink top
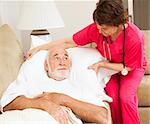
122 44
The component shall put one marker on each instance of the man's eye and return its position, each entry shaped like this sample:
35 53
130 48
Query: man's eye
66 58
57 58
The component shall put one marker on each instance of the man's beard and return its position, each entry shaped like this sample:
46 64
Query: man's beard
60 74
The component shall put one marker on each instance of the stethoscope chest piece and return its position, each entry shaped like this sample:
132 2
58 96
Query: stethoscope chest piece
124 71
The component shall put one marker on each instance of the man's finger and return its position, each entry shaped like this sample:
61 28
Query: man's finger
64 115
62 120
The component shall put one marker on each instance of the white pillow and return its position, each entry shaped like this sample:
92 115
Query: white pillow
81 59
82 76
34 67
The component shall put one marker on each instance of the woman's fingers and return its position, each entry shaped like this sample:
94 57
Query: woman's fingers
28 55
94 67
31 52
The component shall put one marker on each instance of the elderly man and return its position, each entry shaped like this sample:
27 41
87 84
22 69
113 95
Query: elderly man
57 66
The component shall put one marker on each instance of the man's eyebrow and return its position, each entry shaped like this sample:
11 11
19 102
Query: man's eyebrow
66 55
56 54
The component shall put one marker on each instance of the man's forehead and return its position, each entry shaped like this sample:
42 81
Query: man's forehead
57 52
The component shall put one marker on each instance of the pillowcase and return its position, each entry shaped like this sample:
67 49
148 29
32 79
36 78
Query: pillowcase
83 57
34 67
81 76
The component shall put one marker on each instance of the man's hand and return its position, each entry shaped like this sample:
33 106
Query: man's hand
59 114
86 111
56 98
53 109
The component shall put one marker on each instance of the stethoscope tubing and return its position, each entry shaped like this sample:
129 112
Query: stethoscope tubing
105 41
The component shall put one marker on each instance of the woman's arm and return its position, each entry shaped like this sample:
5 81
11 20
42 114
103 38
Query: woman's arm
104 64
65 43
114 66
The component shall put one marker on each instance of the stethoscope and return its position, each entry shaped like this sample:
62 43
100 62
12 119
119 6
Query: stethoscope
105 41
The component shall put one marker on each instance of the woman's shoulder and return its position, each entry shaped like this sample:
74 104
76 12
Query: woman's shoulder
92 31
92 27
89 29
134 34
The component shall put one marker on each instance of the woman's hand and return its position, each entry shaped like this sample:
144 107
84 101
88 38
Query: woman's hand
96 66
31 52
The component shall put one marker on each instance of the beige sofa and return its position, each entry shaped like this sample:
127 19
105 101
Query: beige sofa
144 89
11 58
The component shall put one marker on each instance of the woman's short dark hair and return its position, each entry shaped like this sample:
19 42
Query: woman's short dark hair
109 12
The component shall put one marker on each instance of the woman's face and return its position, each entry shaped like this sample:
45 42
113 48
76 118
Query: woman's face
107 30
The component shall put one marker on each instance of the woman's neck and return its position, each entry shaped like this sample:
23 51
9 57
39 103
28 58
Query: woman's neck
117 33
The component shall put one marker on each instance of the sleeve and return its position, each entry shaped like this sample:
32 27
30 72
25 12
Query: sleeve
134 54
15 89
86 35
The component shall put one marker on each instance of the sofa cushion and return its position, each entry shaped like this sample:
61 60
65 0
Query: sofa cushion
144 91
144 113
147 48
11 57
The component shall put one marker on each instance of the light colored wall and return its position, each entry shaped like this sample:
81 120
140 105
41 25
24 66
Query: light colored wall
9 13
75 13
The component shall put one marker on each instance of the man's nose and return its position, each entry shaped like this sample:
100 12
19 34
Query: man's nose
62 62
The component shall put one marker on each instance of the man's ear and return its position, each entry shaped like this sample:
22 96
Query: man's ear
46 66
70 62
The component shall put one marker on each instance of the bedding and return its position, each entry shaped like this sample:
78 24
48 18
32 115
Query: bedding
34 116
83 84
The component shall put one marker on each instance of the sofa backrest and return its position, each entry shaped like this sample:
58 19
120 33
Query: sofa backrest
11 57
147 48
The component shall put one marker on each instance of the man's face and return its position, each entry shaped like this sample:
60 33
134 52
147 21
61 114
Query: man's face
58 64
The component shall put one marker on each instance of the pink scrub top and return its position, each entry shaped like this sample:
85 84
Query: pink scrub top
133 49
